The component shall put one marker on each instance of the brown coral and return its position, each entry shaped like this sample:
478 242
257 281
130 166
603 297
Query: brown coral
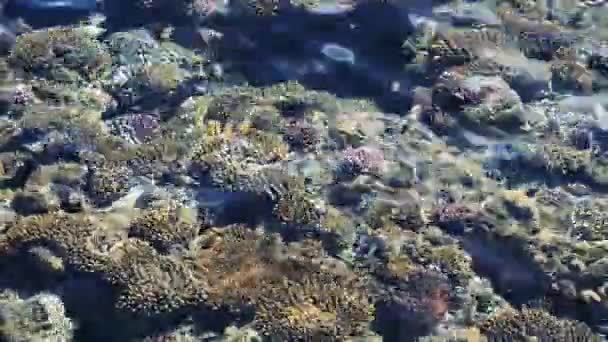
108 181
533 323
293 204
293 297
152 283
164 228
59 230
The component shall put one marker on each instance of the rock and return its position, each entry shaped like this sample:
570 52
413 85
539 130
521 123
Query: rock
310 169
70 199
357 127
567 288
338 53
34 202
7 39
499 105
467 14
599 268
399 175
529 78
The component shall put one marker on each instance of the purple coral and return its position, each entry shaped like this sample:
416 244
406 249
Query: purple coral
301 136
362 160
136 128
22 95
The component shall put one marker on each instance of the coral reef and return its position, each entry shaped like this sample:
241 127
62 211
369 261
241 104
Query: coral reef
303 171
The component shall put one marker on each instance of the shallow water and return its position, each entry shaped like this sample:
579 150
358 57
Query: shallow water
363 170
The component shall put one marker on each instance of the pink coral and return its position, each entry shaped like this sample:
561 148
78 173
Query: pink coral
362 160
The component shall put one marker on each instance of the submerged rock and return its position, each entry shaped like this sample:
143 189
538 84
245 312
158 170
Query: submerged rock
338 53
468 14
499 106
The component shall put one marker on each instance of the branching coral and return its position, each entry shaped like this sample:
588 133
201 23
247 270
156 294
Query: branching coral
136 128
382 213
65 94
152 283
302 136
230 107
361 160
165 227
533 323
147 282
291 293
107 181
589 220
293 204
565 161
318 307
60 230
455 217
154 160
241 142
450 258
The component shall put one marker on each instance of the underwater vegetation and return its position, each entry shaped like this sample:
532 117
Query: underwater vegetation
64 54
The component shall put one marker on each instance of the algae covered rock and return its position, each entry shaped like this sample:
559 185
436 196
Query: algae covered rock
161 78
66 54
499 106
